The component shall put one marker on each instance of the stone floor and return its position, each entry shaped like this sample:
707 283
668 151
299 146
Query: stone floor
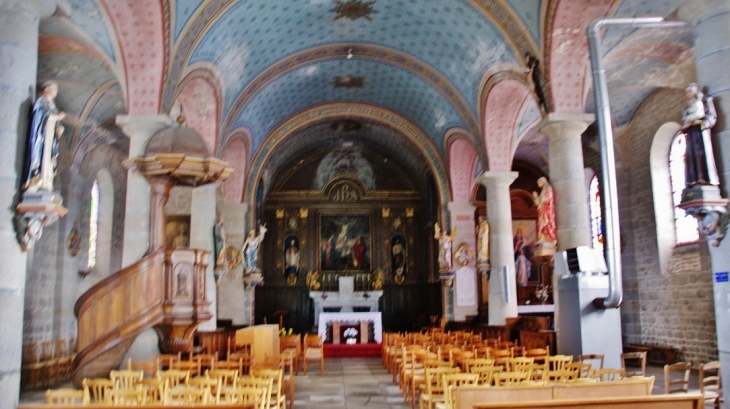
350 383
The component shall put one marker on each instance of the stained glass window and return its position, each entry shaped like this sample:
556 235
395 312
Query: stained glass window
685 224
93 224
595 211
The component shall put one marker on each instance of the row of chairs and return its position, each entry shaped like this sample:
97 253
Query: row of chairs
263 386
47 363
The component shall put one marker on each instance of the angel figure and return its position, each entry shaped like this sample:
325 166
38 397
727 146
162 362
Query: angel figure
445 242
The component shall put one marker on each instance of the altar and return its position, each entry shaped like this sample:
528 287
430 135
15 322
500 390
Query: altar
362 319
345 300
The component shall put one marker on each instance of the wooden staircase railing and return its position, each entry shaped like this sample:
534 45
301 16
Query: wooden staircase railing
164 290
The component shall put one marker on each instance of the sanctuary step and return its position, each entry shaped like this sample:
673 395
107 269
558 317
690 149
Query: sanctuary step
369 350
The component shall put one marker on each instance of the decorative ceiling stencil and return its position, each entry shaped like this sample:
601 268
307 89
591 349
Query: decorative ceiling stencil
90 19
353 9
529 12
184 9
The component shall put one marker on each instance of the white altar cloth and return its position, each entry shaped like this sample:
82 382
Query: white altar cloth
351 317
346 302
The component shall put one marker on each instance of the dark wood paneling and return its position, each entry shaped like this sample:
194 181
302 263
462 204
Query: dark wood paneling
404 307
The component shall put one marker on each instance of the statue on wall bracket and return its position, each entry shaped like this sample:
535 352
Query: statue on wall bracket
41 205
701 197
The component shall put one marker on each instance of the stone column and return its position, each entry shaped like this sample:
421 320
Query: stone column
502 282
139 129
566 176
465 281
19 21
710 22
202 219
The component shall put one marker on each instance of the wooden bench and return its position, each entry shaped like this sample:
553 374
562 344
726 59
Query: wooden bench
655 352
675 401
467 396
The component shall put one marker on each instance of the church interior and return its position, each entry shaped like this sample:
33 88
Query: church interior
224 164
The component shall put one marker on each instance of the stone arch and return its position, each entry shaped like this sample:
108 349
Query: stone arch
201 95
364 111
503 99
461 159
236 153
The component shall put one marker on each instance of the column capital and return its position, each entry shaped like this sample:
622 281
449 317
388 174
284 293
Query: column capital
496 177
136 126
461 207
558 124
140 128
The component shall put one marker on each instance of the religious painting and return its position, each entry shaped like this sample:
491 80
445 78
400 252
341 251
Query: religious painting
464 254
344 242
177 231
398 258
291 259
524 236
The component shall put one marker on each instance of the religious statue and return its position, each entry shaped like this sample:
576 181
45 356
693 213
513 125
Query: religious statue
181 240
43 147
250 248
482 242
445 242
697 119
313 280
219 246
291 258
545 200
378 279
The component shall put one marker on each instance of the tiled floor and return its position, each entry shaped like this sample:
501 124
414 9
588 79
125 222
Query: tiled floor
350 383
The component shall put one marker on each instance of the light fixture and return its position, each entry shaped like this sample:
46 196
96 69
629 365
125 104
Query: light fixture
349 54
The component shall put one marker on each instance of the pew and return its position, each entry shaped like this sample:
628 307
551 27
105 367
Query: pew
467 396
675 401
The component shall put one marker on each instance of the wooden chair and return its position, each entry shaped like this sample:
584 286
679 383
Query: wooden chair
609 374
476 362
486 373
187 396
243 396
538 354
676 377
287 362
149 368
228 377
558 362
638 358
596 360
511 378
212 385
313 351
292 344
517 363
582 369
67 397
125 379
452 381
277 399
98 389
174 377
207 361
154 390
501 356
710 385
264 385
192 366
560 376
127 397
166 360
433 387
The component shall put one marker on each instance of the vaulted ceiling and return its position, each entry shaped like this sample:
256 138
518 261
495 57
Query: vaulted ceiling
244 69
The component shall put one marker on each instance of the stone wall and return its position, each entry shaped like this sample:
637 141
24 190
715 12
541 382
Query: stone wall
673 307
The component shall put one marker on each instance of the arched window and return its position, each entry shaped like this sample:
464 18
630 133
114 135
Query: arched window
685 225
595 213
93 224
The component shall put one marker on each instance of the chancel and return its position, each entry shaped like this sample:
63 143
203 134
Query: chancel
407 170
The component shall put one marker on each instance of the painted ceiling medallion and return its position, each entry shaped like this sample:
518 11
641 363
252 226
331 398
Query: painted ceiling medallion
353 9
349 81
